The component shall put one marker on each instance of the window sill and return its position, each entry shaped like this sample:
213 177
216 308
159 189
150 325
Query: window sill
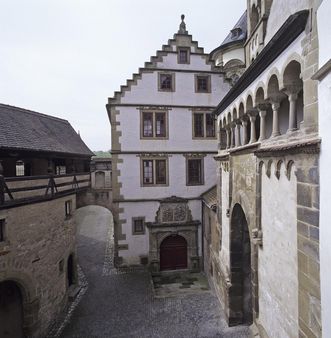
154 138
166 90
154 185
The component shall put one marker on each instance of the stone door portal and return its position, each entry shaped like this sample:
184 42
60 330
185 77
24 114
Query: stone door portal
11 310
173 253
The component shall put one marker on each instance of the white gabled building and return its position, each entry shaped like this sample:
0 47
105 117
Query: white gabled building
163 143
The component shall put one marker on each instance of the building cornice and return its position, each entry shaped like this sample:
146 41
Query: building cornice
289 31
304 147
170 152
159 106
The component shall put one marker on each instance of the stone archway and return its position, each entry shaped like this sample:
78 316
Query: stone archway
11 310
70 271
173 253
240 292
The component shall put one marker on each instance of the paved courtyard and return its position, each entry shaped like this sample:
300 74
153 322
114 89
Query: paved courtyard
121 303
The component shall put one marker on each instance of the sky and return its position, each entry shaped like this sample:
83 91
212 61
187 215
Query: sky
66 57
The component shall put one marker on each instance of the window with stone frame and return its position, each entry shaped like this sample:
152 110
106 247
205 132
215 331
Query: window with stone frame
154 172
184 55
138 225
166 82
210 125
194 171
154 124
203 125
198 125
2 230
202 83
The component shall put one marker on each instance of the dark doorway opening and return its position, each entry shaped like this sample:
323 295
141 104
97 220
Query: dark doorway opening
11 310
173 253
70 271
240 293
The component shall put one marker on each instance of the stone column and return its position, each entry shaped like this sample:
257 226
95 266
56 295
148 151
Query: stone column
275 122
252 117
237 138
244 126
228 137
292 90
233 126
263 113
292 119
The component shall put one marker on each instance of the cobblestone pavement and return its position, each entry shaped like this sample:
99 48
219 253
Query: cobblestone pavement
121 304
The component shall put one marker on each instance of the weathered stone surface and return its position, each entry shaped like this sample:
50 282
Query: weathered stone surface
304 195
39 236
309 216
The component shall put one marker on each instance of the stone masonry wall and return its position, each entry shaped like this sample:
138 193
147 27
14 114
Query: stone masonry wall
38 241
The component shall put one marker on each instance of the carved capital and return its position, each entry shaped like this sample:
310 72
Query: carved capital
252 112
262 106
292 89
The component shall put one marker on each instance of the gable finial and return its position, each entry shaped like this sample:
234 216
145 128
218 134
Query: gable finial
182 26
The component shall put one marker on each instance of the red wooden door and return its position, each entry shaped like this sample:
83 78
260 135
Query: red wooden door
173 253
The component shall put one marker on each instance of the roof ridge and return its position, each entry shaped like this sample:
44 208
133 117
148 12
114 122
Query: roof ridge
32 112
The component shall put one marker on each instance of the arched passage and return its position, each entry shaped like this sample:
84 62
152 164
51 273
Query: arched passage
173 253
95 230
240 293
11 310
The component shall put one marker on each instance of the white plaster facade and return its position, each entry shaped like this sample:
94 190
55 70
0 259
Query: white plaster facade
132 199
278 297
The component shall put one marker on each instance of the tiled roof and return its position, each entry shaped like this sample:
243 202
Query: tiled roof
210 197
231 38
23 129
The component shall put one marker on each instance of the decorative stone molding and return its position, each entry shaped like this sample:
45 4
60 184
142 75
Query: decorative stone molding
153 155
194 155
173 210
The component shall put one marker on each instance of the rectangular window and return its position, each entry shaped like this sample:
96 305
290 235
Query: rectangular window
2 230
166 82
194 171
138 225
210 125
148 124
183 55
148 172
198 125
154 125
202 83
160 125
154 172
60 170
160 172
68 207
19 168
203 125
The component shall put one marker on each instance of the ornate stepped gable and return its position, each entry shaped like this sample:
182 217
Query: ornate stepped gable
152 64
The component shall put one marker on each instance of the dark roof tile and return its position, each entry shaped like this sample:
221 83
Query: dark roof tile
28 130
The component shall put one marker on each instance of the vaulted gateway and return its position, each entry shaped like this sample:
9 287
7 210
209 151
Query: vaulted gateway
11 310
173 253
240 292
